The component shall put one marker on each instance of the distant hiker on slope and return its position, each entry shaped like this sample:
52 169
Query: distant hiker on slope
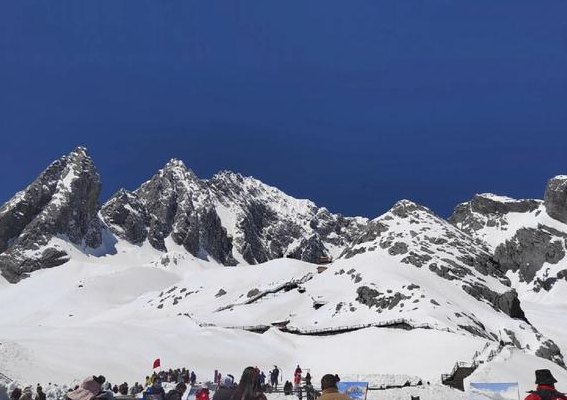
545 387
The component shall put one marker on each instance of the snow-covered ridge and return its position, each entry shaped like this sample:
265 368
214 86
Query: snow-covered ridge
405 278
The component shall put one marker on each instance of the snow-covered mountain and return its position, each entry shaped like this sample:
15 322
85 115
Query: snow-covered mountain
526 237
230 218
62 201
152 264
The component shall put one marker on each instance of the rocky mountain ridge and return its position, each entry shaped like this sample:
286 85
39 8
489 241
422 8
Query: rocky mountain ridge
234 220
230 219
407 268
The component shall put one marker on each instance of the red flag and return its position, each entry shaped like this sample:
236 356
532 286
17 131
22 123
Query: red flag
156 363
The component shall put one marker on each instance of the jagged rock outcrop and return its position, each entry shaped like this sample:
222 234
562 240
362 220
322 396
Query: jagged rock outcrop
62 202
522 236
528 250
488 210
555 198
229 217
270 224
173 203
126 217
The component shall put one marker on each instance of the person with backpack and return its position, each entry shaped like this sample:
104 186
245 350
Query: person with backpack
545 387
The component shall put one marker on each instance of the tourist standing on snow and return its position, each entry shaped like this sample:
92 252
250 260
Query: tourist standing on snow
287 388
297 377
545 387
155 392
329 389
40 395
248 388
274 375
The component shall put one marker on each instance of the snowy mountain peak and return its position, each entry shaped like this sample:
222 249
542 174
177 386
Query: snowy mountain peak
177 170
79 151
62 201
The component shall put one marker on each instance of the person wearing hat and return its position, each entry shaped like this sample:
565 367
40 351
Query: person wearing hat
545 387
329 389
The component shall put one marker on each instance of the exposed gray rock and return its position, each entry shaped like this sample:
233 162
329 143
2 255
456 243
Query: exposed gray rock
513 338
550 351
398 248
126 217
62 201
491 210
373 298
176 203
555 199
310 250
528 250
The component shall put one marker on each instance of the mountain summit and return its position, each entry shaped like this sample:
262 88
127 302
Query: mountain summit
62 202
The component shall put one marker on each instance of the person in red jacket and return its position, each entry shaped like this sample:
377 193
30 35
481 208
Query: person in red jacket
545 387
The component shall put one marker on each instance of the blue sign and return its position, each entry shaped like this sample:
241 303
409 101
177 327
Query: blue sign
354 390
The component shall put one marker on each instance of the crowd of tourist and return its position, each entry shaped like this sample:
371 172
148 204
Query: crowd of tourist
182 385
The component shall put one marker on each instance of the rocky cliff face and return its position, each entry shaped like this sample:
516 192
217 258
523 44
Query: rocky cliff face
230 218
555 198
526 236
62 201
234 219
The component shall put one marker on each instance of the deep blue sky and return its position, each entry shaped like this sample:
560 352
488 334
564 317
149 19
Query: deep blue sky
353 104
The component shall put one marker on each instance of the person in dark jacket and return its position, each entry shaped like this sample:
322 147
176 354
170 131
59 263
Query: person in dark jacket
274 375
155 392
123 389
248 388
224 391
16 394
545 387
287 388
40 395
